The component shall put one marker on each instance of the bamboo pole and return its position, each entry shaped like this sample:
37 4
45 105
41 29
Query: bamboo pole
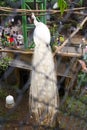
16 51
7 9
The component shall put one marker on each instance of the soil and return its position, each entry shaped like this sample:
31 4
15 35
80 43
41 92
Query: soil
18 118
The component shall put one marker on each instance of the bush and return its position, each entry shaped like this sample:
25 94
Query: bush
4 63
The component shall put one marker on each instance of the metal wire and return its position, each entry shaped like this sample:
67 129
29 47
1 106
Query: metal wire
70 117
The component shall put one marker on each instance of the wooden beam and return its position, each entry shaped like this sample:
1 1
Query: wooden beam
66 52
16 51
20 64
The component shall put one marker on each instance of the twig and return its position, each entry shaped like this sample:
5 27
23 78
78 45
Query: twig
29 11
80 13
67 40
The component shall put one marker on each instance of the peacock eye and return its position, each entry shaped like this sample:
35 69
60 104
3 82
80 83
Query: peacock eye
47 45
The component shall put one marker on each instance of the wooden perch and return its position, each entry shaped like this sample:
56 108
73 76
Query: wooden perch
67 40
68 54
16 51
7 9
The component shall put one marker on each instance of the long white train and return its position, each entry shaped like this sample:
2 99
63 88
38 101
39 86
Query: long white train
44 98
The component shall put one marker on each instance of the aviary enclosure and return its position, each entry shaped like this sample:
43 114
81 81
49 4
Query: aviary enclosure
53 72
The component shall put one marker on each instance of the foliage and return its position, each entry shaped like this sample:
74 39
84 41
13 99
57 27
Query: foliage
82 79
83 98
2 3
3 94
4 63
80 2
75 106
62 5
32 46
7 2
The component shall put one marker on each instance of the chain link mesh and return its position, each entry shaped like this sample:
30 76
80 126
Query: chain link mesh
72 90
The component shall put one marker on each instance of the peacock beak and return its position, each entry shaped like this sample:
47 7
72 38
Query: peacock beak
30 20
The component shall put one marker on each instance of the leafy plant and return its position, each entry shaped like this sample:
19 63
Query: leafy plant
4 63
74 106
3 94
83 98
62 5
80 2
82 79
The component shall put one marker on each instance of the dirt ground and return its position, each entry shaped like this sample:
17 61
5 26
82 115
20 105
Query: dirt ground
18 118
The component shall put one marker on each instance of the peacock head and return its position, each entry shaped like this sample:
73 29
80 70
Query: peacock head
34 19
33 16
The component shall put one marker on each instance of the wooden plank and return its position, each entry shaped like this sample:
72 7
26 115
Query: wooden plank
70 51
16 51
20 64
23 65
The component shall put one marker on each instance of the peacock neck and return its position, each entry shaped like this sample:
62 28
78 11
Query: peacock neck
35 21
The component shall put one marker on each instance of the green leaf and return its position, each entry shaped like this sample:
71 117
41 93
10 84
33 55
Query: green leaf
62 5
80 2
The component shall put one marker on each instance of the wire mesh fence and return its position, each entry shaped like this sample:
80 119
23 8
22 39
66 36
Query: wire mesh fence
71 80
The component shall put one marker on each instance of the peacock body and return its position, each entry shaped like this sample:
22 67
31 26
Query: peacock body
43 91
